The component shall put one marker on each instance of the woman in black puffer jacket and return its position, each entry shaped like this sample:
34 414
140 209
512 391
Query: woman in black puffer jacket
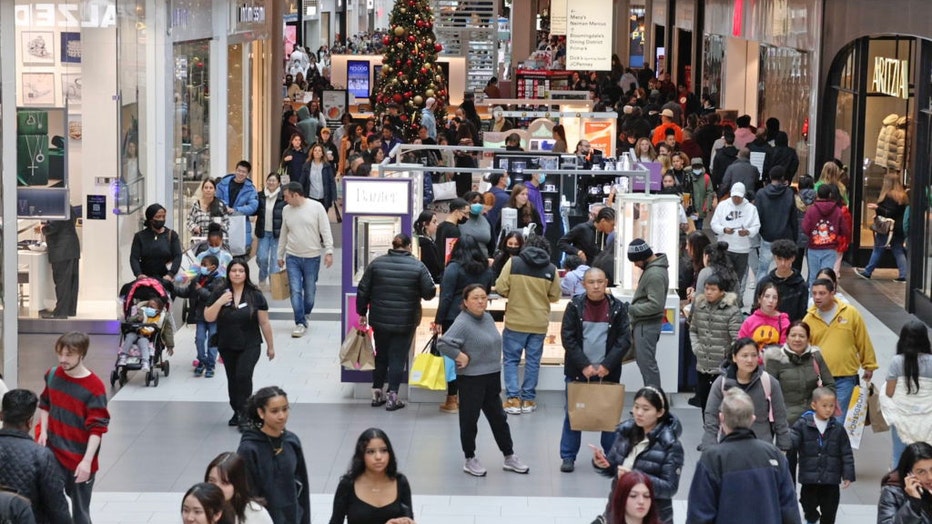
391 290
649 442
904 493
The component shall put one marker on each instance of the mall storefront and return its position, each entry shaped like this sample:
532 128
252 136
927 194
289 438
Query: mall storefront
876 118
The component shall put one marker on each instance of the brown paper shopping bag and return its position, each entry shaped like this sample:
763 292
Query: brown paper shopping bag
595 406
278 282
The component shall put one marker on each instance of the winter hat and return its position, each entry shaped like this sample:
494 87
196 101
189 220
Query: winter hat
638 250
429 103
738 189
697 162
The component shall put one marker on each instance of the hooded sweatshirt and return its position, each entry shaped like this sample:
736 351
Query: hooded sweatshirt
531 283
825 225
765 329
793 292
648 302
278 476
776 207
730 216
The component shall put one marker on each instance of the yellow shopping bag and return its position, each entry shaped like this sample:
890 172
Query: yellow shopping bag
428 372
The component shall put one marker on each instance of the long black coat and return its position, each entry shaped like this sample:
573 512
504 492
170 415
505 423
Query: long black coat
62 239
391 291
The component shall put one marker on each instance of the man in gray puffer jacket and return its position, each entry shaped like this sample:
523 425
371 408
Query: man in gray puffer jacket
714 321
647 307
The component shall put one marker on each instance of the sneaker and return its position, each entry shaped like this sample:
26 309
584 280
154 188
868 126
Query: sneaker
393 404
863 274
209 373
528 406
474 467
900 280
198 371
513 463
512 406
298 331
451 405
568 466
145 367
378 398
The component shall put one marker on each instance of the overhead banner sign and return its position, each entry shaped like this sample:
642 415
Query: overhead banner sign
557 17
589 35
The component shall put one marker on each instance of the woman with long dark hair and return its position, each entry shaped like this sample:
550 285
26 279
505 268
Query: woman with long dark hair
891 204
242 316
559 135
269 225
294 156
767 325
228 472
906 492
206 210
715 259
527 214
203 503
632 500
373 491
468 265
508 247
425 227
649 443
696 243
318 177
907 403
274 458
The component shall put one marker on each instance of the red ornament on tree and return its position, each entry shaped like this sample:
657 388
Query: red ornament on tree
411 38
386 40
404 118
437 47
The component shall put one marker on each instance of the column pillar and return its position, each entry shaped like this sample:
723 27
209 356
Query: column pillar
621 10
523 30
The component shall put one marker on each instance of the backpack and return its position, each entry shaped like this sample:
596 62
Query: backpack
767 389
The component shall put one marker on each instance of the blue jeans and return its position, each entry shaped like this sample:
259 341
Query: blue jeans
513 342
764 258
302 279
899 254
844 387
570 440
818 259
267 257
206 354
898 446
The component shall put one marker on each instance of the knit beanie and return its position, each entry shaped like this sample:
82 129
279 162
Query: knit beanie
639 250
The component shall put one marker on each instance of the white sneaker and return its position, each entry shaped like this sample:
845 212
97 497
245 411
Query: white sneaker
513 463
298 331
474 468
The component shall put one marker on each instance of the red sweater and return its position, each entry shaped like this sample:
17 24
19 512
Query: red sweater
77 409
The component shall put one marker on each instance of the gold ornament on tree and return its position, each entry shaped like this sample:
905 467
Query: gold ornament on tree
399 31
418 99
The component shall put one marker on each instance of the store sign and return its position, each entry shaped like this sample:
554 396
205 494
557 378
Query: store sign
68 16
558 17
891 77
250 14
377 197
589 36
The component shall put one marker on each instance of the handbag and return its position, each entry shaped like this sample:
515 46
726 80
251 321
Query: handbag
857 414
875 416
428 370
445 191
448 363
594 406
279 285
356 353
236 235
882 225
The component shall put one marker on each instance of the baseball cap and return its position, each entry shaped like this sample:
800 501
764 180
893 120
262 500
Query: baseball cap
738 189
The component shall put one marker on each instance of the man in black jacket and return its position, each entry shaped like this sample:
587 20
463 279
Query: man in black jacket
724 157
792 288
64 256
596 337
776 207
28 468
390 292
741 468
583 240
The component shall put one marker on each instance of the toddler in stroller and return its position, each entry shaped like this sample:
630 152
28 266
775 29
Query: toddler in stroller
148 328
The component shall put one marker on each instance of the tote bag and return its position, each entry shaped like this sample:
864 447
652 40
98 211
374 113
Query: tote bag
594 406
356 353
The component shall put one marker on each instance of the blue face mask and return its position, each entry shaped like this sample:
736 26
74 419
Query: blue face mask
475 209
149 311
540 178
213 250
206 271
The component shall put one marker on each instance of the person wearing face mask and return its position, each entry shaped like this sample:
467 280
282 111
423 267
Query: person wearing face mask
449 229
499 183
214 246
156 250
476 225
509 246
150 314
197 290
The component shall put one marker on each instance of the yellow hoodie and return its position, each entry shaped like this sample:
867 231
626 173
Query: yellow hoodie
845 343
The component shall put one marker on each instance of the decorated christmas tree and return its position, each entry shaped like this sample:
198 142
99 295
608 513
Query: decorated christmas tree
410 72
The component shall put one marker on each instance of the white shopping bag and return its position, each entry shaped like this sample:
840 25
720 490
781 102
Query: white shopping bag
857 414
237 235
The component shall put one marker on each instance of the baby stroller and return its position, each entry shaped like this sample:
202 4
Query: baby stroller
141 290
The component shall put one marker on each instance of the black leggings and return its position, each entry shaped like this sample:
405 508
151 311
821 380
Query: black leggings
239 366
391 358
483 394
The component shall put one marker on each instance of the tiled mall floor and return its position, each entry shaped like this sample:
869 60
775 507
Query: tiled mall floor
161 439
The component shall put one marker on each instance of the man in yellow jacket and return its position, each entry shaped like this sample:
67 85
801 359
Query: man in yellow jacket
839 331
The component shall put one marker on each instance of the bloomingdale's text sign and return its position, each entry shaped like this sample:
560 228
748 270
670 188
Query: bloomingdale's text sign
589 35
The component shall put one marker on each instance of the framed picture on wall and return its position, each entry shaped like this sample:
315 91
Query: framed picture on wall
38 89
70 48
38 48
71 89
